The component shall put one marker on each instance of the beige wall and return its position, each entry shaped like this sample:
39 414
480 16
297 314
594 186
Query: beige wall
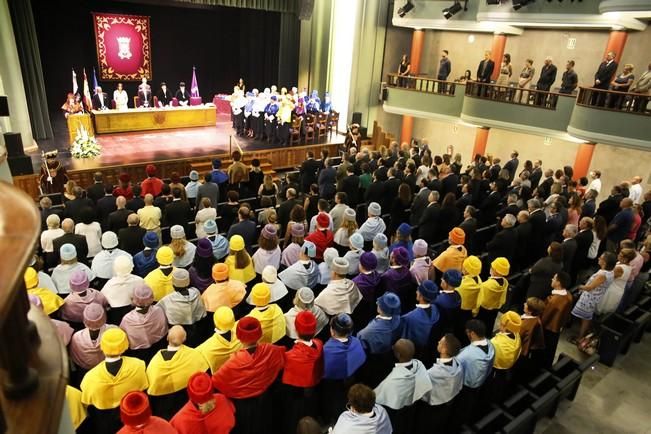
398 42
538 44
441 134
620 164
464 54
637 51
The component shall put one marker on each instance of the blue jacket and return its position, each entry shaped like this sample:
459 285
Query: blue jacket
477 364
342 359
417 325
142 264
379 335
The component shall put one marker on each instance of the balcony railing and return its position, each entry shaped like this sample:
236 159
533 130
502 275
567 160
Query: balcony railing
422 84
513 94
614 101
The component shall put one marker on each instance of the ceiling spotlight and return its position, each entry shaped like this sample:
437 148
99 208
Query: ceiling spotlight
452 10
517 4
493 2
405 9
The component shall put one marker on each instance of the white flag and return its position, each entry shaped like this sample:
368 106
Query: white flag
75 87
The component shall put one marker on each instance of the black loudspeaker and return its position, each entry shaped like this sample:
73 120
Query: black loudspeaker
21 165
4 106
364 132
357 118
14 144
385 94
305 9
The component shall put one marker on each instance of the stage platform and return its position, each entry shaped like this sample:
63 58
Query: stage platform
174 150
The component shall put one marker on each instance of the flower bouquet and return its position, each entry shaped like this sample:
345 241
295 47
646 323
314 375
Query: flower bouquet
84 146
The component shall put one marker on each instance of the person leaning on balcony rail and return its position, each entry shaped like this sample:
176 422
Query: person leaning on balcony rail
546 79
526 75
602 78
403 70
570 80
642 87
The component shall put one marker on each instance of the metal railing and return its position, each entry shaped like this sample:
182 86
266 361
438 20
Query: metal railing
628 102
514 95
422 84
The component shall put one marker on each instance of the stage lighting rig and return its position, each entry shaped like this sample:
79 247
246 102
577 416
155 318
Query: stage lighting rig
493 2
517 4
404 10
454 9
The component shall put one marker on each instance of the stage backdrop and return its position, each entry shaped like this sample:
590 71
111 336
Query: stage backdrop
123 46
224 43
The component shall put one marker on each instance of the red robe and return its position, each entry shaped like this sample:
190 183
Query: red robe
304 365
156 425
221 420
247 375
152 186
322 240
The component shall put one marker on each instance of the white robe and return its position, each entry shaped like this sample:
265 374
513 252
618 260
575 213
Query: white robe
340 296
119 289
187 259
297 276
290 318
102 264
447 382
404 385
183 309
278 291
62 272
353 423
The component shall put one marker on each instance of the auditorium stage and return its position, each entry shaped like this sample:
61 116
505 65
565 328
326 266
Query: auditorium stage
168 144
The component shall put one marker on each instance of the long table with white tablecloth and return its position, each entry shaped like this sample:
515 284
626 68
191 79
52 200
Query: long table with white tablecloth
142 119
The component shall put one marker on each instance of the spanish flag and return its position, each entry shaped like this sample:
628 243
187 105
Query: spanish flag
88 101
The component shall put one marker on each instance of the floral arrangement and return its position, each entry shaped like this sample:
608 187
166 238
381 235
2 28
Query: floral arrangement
84 146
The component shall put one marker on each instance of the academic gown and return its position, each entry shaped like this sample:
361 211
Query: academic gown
144 264
377 338
155 425
160 283
290 318
353 423
435 407
272 322
368 285
340 296
51 302
398 281
145 330
418 326
298 275
246 378
406 384
86 352
449 304
229 293
221 420
218 348
104 391
168 378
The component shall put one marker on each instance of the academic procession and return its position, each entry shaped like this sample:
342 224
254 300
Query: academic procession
325 216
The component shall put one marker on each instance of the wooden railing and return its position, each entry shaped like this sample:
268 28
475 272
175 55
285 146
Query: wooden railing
628 102
422 84
33 362
514 95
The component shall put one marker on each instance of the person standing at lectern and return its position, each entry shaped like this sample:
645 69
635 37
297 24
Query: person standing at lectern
121 98
100 99
71 106
164 96
144 93
182 95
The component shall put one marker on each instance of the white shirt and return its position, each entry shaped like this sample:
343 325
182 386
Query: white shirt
48 237
635 193
93 234
595 185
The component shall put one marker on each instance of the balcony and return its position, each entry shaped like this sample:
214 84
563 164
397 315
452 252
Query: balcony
614 118
527 111
424 97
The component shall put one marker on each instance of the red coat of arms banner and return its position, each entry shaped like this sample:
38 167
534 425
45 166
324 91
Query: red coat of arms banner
123 46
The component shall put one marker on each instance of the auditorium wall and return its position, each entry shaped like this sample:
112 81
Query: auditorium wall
440 135
224 43
466 51
637 51
620 164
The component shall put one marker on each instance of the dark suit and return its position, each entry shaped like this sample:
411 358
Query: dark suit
131 239
535 177
101 104
449 184
469 227
418 205
568 247
118 219
538 241
583 242
604 74
247 229
428 223
523 230
327 183
485 70
512 167
503 244
283 213
494 171
375 192
309 173
545 187
105 206
390 191
545 81
135 204
589 207
512 209
350 186
609 207
144 94
177 212
553 227
464 201
164 97
95 191
79 241
182 96
75 206
569 81
488 208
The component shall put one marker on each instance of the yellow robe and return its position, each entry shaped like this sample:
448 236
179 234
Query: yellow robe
169 376
492 294
217 350
272 321
51 301
104 391
507 350
245 274
160 284
228 293
469 291
77 409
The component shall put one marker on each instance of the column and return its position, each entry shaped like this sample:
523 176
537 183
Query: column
497 53
481 139
583 159
417 39
616 43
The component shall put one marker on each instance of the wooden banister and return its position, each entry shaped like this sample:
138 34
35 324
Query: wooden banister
33 375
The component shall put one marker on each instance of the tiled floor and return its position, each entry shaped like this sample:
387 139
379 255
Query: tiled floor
610 400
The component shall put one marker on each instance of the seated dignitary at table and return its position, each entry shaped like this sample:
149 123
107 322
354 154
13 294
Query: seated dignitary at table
100 100
121 98
164 96
144 93
182 95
